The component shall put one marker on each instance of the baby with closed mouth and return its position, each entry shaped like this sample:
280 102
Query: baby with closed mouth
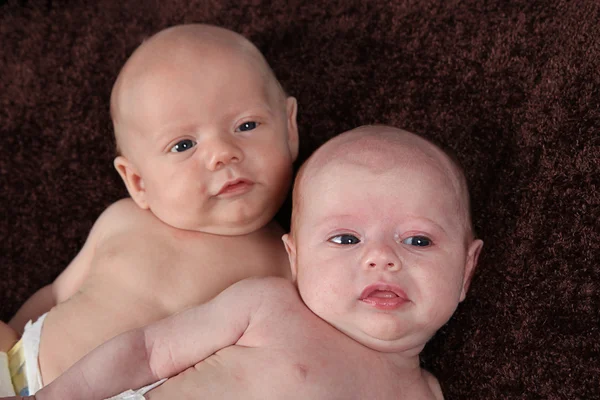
235 187
206 140
381 250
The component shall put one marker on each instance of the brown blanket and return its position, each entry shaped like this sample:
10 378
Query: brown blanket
511 86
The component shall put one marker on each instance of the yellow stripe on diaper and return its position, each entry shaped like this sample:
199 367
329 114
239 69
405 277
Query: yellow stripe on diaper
16 365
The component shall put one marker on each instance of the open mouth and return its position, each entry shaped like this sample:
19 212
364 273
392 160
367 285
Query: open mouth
384 296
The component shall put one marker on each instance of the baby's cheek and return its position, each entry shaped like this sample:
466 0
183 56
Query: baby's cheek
440 293
320 293
438 313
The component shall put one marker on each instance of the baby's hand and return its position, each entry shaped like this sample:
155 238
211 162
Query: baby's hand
18 398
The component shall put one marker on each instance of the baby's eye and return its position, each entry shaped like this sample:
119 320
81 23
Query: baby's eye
182 145
247 126
344 239
420 241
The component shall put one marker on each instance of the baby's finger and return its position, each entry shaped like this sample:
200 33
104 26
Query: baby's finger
18 398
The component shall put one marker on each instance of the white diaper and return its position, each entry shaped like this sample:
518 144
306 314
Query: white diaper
6 386
137 394
31 347
30 342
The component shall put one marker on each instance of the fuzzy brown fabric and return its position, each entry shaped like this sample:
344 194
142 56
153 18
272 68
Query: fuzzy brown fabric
512 87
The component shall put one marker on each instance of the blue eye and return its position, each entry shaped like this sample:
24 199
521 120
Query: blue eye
419 241
344 239
182 146
247 126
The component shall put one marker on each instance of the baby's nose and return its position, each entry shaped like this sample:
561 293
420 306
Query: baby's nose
382 256
221 152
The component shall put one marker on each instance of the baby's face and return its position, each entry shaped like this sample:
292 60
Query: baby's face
212 139
381 254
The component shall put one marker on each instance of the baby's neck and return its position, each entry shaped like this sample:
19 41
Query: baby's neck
408 375
403 362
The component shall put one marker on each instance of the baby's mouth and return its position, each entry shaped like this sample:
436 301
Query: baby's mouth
384 296
235 187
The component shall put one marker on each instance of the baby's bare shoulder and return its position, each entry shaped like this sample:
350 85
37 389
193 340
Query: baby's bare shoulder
124 230
272 294
272 300
122 206
268 287
126 223
123 213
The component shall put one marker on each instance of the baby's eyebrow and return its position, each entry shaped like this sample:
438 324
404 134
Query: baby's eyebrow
166 131
252 109
431 222
334 221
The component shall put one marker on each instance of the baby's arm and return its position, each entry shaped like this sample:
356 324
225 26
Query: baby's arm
69 281
160 350
41 301
8 337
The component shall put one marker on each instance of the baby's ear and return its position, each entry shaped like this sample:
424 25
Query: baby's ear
471 264
290 247
133 181
292 126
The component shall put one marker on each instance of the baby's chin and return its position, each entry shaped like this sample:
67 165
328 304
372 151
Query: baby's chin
239 230
222 228
405 344
397 348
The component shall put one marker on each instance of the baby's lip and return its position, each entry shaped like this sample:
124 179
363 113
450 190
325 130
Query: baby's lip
384 290
235 186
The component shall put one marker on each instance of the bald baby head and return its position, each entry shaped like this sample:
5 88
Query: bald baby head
381 149
201 49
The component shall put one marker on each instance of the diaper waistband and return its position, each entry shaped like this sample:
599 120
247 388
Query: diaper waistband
23 363
16 367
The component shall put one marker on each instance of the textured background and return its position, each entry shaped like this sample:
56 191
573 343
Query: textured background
511 86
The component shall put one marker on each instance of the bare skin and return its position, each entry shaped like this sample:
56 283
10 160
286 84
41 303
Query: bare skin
298 357
269 346
140 271
8 337
207 140
374 277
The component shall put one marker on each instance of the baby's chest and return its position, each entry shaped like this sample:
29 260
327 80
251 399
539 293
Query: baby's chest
171 275
258 373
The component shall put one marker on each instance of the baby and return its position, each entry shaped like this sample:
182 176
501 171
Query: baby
381 251
206 140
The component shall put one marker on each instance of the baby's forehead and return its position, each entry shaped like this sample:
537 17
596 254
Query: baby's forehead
199 37
387 151
196 45
378 166
199 52
169 54
382 151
